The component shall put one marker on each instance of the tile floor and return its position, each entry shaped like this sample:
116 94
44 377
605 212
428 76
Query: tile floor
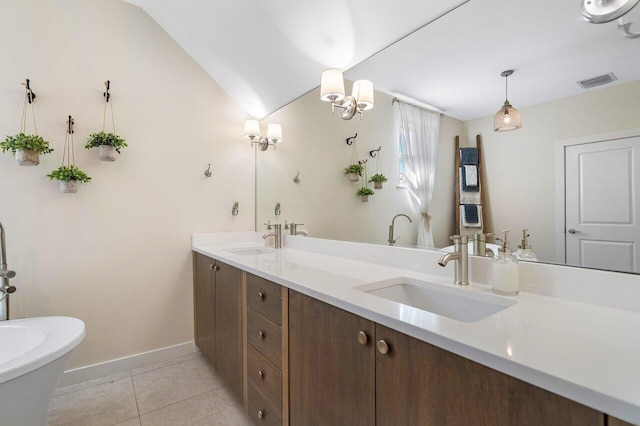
183 391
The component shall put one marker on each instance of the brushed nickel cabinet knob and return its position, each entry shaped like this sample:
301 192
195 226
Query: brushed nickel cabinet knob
261 335
260 295
363 339
261 414
383 347
261 374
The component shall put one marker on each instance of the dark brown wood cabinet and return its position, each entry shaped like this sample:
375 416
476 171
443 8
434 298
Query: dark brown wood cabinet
331 374
218 318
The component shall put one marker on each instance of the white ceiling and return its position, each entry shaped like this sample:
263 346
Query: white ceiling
267 53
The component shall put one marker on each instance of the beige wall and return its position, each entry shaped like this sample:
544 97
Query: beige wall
520 165
117 253
325 200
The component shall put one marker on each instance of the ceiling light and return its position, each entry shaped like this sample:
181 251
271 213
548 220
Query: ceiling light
508 118
252 131
332 90
601 11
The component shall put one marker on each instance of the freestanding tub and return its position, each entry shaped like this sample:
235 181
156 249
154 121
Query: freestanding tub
33 355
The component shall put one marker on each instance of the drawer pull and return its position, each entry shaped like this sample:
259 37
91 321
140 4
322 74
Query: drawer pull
261 335
383 347
363 339
261 374
260 295
261 414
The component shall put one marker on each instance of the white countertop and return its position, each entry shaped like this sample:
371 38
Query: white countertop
585 352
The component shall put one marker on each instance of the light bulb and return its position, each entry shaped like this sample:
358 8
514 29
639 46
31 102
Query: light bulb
507 119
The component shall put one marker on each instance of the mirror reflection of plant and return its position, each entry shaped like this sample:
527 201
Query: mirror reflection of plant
378 178
109 139
365 191
26 143
69 173
354 168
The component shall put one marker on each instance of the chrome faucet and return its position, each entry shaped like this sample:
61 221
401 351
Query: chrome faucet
460 255
391 228
294 229
5 274
277 233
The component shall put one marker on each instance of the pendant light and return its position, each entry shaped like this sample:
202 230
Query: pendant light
601 11
508 118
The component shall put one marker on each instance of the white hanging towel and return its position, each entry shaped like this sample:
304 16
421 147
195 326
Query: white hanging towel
471 175
469 197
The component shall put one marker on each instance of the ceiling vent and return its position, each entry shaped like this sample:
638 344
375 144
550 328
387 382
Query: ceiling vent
597 81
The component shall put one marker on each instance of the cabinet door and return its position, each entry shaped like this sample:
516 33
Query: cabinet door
331 375
204 304
228 327
417 383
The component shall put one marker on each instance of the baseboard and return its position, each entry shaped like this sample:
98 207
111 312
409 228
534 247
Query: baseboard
82 374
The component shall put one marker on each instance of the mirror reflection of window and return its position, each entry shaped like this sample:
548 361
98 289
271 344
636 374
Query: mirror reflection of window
402 180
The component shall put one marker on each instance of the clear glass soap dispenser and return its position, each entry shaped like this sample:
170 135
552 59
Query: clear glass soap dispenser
504 270
524 251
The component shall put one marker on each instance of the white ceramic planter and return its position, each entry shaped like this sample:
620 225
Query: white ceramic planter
107 153
354 177
364 198
27 157
70 187
377 185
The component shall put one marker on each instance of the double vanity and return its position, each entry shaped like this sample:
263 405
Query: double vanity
331 332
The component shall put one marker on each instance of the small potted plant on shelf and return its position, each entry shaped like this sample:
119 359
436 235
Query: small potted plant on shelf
364 193
378 179
69 176
354 172
107 143
26 148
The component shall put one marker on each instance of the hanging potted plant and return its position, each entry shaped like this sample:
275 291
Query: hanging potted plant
108 145
26 148
69 176
364 193
354 172
378 179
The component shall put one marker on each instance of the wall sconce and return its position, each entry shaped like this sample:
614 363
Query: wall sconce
252 131
332 90
508 118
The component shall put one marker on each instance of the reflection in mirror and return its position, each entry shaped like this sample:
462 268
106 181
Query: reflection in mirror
524 170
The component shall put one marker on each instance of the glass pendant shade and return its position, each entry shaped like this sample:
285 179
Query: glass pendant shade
274 132
601 11
332 86
251 128
363 92
508 118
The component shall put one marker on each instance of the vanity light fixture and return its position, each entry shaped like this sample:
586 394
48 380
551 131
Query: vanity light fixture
332 90
508 118
601 11
252 131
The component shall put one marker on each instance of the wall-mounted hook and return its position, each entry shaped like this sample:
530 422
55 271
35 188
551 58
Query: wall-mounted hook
352 139
361 162
277 209
107 94
207 172
70 123
374 152
30 95
297 178
234 209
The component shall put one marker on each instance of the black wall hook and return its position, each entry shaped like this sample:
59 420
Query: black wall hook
107 94
30 95
70 123
361 162
374 152
352 139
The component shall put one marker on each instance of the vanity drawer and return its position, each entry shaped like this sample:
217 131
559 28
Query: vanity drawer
260 410
265 297
265 377
265 336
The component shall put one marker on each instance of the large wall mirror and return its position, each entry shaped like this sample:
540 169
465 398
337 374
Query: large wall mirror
558 165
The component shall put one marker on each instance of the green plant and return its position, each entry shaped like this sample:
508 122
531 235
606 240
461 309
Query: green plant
354 168
365 191
25 142
378 178
101 138
69 173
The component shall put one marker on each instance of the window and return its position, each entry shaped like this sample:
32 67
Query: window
402 180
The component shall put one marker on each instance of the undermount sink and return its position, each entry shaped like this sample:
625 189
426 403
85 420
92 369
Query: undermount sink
455 303
249 251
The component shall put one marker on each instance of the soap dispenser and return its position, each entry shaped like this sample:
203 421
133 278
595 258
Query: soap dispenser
504 270
524 251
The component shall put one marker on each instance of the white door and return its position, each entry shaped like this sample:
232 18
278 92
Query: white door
602 181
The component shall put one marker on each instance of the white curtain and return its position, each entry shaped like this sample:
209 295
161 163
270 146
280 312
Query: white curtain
420 129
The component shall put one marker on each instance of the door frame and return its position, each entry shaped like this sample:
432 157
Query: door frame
560 181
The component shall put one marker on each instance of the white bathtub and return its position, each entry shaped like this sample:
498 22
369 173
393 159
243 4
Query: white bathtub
33 355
